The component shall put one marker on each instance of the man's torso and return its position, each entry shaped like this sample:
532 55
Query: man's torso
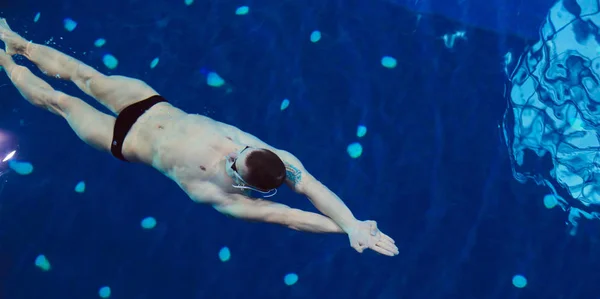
188 148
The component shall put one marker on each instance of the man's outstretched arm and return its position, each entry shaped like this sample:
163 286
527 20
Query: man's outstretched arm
362 234
270 212
240 206
299 180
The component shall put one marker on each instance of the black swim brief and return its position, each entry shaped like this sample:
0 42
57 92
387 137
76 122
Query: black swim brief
125 121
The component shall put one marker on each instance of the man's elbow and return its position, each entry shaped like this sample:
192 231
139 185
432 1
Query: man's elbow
231 211
290 219
222 209
277 214
282 217
306 185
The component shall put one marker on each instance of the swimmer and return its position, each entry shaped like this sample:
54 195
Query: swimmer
214 163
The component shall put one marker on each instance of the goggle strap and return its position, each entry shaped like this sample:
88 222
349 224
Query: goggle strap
265 194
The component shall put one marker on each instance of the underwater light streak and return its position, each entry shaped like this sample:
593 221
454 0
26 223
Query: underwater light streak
9 156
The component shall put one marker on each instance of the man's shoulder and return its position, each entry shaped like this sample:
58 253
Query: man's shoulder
296 175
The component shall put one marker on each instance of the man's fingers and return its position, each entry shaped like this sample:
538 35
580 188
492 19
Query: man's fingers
386 237
382 251
387 246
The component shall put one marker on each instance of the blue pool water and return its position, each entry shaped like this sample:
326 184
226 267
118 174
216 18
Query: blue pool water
418 114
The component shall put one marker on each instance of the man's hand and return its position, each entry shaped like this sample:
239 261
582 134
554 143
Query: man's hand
365 234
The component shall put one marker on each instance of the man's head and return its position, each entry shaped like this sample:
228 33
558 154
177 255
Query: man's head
257 167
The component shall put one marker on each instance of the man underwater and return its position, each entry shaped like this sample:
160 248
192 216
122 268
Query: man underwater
213 162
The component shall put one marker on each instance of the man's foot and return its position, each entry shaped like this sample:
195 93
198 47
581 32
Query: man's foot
14 43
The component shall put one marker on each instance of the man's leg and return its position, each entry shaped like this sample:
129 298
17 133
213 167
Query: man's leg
114 92
92 126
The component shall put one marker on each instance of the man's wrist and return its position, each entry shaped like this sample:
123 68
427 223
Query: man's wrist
349 226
